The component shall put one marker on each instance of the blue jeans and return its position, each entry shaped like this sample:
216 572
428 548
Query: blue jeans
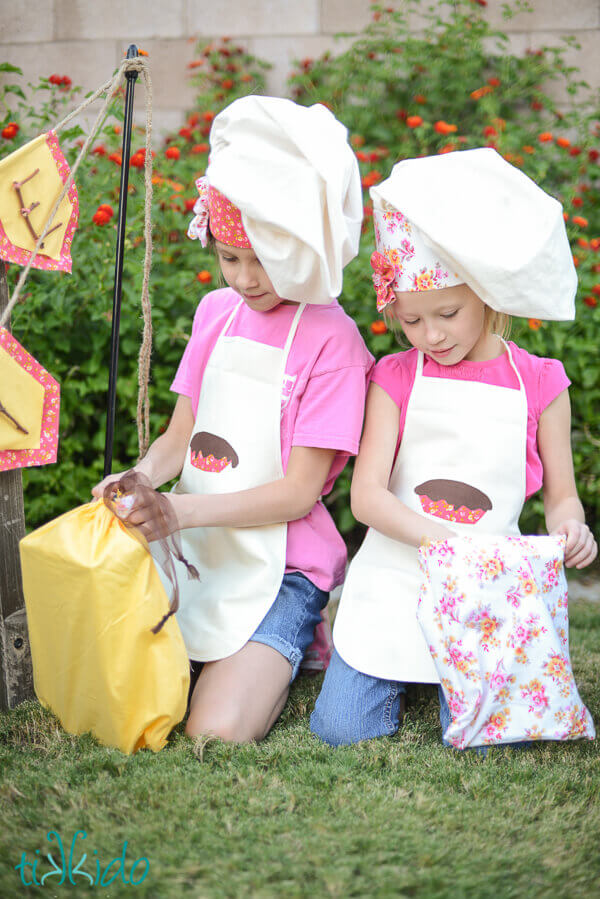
353 706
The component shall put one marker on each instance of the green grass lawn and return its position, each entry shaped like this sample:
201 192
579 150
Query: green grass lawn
395 817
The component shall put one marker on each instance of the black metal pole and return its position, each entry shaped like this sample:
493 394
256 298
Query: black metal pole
131 77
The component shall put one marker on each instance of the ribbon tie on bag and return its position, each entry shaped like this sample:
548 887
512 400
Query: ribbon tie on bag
121 496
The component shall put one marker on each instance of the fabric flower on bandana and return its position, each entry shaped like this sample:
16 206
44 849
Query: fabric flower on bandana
198 227
384 275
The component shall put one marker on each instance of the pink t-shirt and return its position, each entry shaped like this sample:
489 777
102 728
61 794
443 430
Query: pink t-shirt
543 380
322 403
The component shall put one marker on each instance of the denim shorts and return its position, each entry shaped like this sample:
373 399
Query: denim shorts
290 623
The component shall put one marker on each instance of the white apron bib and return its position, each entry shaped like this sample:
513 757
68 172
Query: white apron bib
455 431
235 445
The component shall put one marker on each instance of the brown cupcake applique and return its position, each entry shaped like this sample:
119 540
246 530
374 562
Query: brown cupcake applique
208 452
453 501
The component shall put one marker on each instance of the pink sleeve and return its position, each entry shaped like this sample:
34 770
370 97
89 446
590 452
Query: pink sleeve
552 381
543 379
209 318
395 374
330 414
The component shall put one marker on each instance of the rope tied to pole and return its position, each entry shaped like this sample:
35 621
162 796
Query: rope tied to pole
110 88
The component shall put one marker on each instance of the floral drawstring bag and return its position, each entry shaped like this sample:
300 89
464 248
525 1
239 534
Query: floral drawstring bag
494 613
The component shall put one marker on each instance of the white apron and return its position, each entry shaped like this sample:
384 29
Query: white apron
462 431
237 442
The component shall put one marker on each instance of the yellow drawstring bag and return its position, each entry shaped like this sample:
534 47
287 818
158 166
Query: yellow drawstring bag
93 595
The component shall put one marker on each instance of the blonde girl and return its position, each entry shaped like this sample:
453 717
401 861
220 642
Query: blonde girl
461 429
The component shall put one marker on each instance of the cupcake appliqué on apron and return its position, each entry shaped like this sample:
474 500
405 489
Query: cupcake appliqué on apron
209 452
453 501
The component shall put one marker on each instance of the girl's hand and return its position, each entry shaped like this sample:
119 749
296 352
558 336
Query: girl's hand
98 490
146 515
581 548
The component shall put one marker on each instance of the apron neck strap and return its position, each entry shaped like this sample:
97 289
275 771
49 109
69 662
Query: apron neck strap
512 362
293 327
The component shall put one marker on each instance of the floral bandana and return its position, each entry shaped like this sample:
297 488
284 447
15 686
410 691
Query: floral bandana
494 613
225 218
403 261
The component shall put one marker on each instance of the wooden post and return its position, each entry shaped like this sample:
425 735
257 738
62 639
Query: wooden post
16 676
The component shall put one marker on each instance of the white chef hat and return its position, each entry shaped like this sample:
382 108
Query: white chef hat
293 175
485 224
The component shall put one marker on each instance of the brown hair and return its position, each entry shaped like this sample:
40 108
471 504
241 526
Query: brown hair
211 246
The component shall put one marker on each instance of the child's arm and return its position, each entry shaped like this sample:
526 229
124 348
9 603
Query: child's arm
562 507
285 499
372 501
164 460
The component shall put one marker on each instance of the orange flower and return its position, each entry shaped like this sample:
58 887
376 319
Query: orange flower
596 289
116 158
137 160
590 301
494 82
489 131
246 78
576 261
419 98
371 178
172 153
11 130
447 148
595 243
357 140
195 63
204 276
563 142
444 128
577 202
208 116
227 84
378 327
535 324
103 214
545 137
481 92
117 129
580 220
528 149
200 148
414 121
583 243
100 150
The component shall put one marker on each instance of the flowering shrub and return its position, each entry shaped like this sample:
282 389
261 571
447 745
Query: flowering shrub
453 85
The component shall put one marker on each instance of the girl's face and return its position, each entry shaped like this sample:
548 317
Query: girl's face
445 324
244 273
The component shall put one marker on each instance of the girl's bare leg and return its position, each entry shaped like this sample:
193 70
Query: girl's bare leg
241 697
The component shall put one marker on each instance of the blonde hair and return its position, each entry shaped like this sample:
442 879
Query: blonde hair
496 322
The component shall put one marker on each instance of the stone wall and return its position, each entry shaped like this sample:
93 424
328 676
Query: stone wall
86 39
